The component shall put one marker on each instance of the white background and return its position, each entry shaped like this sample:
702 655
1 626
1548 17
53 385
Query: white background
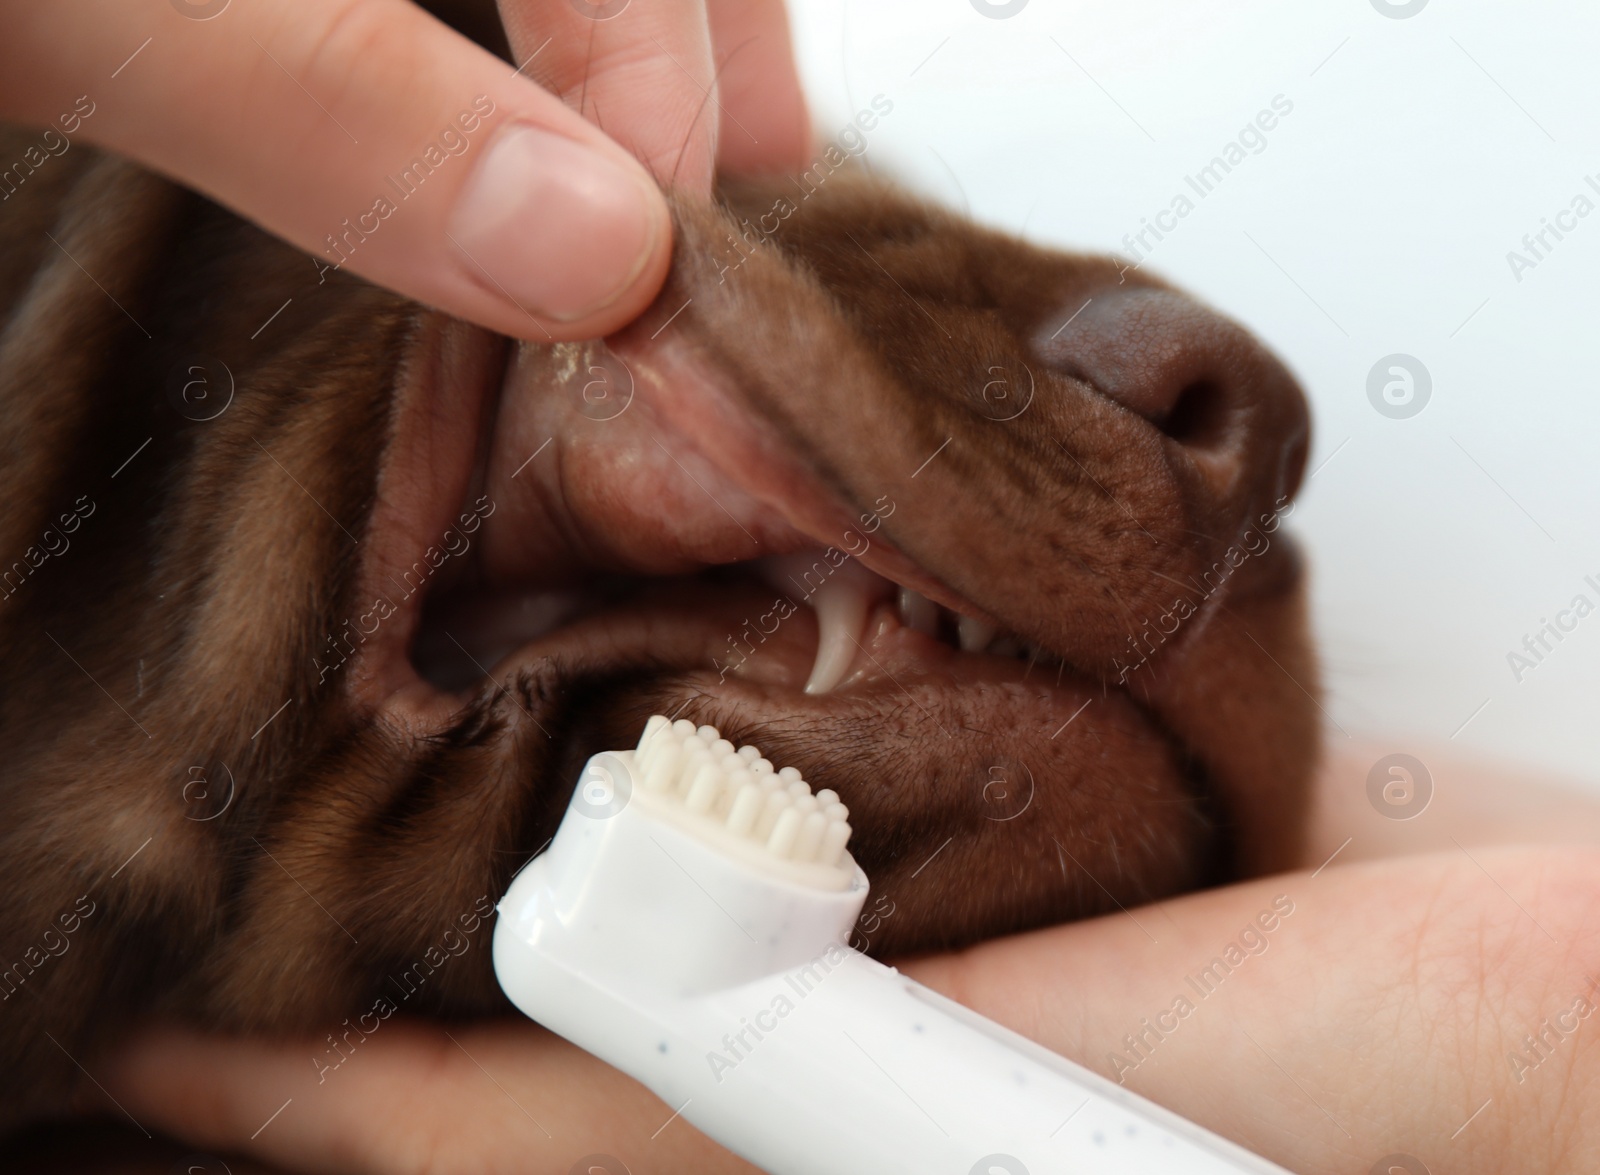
1377 220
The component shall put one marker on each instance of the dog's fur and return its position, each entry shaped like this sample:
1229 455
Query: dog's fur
199 820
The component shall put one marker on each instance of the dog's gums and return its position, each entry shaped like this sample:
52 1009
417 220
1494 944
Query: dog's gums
981 536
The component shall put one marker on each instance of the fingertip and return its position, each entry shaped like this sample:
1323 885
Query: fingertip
421 162
574 235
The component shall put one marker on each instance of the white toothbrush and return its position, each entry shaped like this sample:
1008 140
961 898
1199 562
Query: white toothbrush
687 926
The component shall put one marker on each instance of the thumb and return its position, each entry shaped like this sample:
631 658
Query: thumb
368 134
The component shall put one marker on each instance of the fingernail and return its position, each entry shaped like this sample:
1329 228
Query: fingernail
560 227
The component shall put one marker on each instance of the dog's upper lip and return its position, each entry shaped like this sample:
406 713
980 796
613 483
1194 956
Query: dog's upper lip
685 477
752 456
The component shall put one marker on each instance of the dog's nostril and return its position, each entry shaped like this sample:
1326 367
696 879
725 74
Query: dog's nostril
1199 378
1200 416
1156 352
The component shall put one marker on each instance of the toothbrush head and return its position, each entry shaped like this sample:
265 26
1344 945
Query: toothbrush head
737 800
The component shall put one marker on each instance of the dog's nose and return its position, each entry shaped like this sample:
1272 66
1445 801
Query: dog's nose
1199 378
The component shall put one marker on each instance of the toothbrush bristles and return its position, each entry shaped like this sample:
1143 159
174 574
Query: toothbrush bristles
834 839
785 833
746 807
742 791
654 727
809 839
662 759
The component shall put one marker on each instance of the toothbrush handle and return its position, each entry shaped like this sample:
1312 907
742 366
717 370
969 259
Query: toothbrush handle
870 1071
664 956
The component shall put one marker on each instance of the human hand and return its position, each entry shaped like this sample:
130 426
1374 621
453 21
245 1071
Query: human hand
1377 1022
377 139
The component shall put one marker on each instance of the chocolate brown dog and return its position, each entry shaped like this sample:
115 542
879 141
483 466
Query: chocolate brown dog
312 601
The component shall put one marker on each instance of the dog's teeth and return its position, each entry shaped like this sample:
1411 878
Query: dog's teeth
840 595
919 612
841 606
975 634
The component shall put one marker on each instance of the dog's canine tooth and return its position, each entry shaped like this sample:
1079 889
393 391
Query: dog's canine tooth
841 606
840 594
919 612
975 634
